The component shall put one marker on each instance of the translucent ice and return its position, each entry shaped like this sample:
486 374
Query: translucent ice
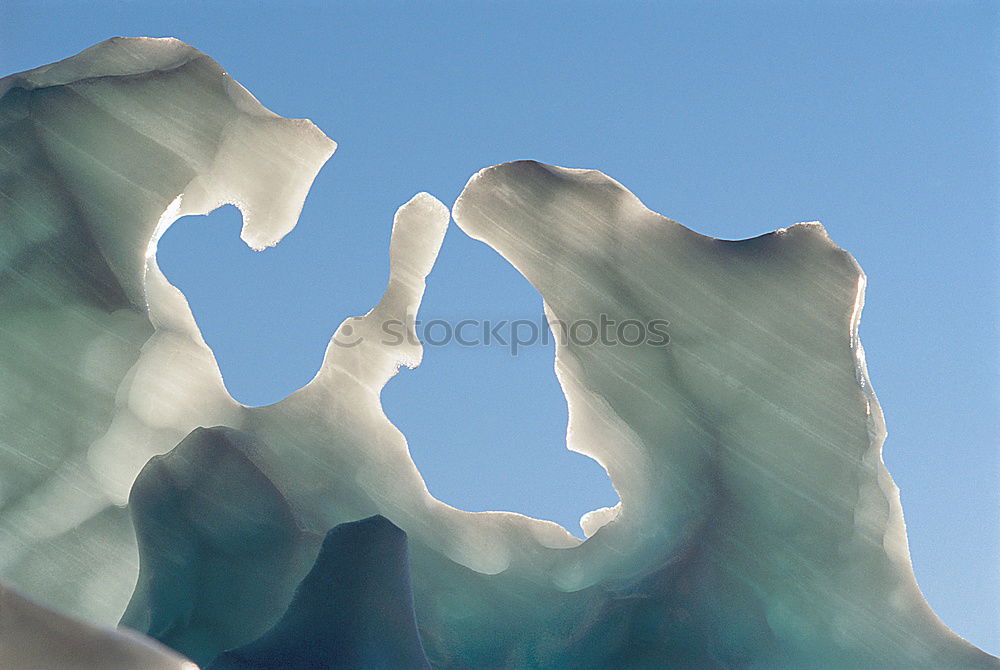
219 546
353 610
102 363
758 527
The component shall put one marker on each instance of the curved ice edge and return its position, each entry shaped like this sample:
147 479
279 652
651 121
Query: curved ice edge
783 232
35 637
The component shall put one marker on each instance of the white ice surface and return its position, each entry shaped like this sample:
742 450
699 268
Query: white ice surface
755 513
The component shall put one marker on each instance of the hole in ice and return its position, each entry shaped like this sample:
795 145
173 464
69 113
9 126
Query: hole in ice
487 429
268 315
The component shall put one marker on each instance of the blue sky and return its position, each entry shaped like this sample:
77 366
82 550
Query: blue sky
878 118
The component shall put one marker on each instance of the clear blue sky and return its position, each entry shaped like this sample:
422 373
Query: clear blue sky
878 118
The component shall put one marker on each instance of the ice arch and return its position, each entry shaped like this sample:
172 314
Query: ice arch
758 526
484 415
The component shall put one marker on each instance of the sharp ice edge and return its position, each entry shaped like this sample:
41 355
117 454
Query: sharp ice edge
758 526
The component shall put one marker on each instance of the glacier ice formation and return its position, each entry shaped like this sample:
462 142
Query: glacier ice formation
353 610
757 528
33 637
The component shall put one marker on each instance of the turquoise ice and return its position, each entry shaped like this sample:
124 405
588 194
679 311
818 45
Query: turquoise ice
757 528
